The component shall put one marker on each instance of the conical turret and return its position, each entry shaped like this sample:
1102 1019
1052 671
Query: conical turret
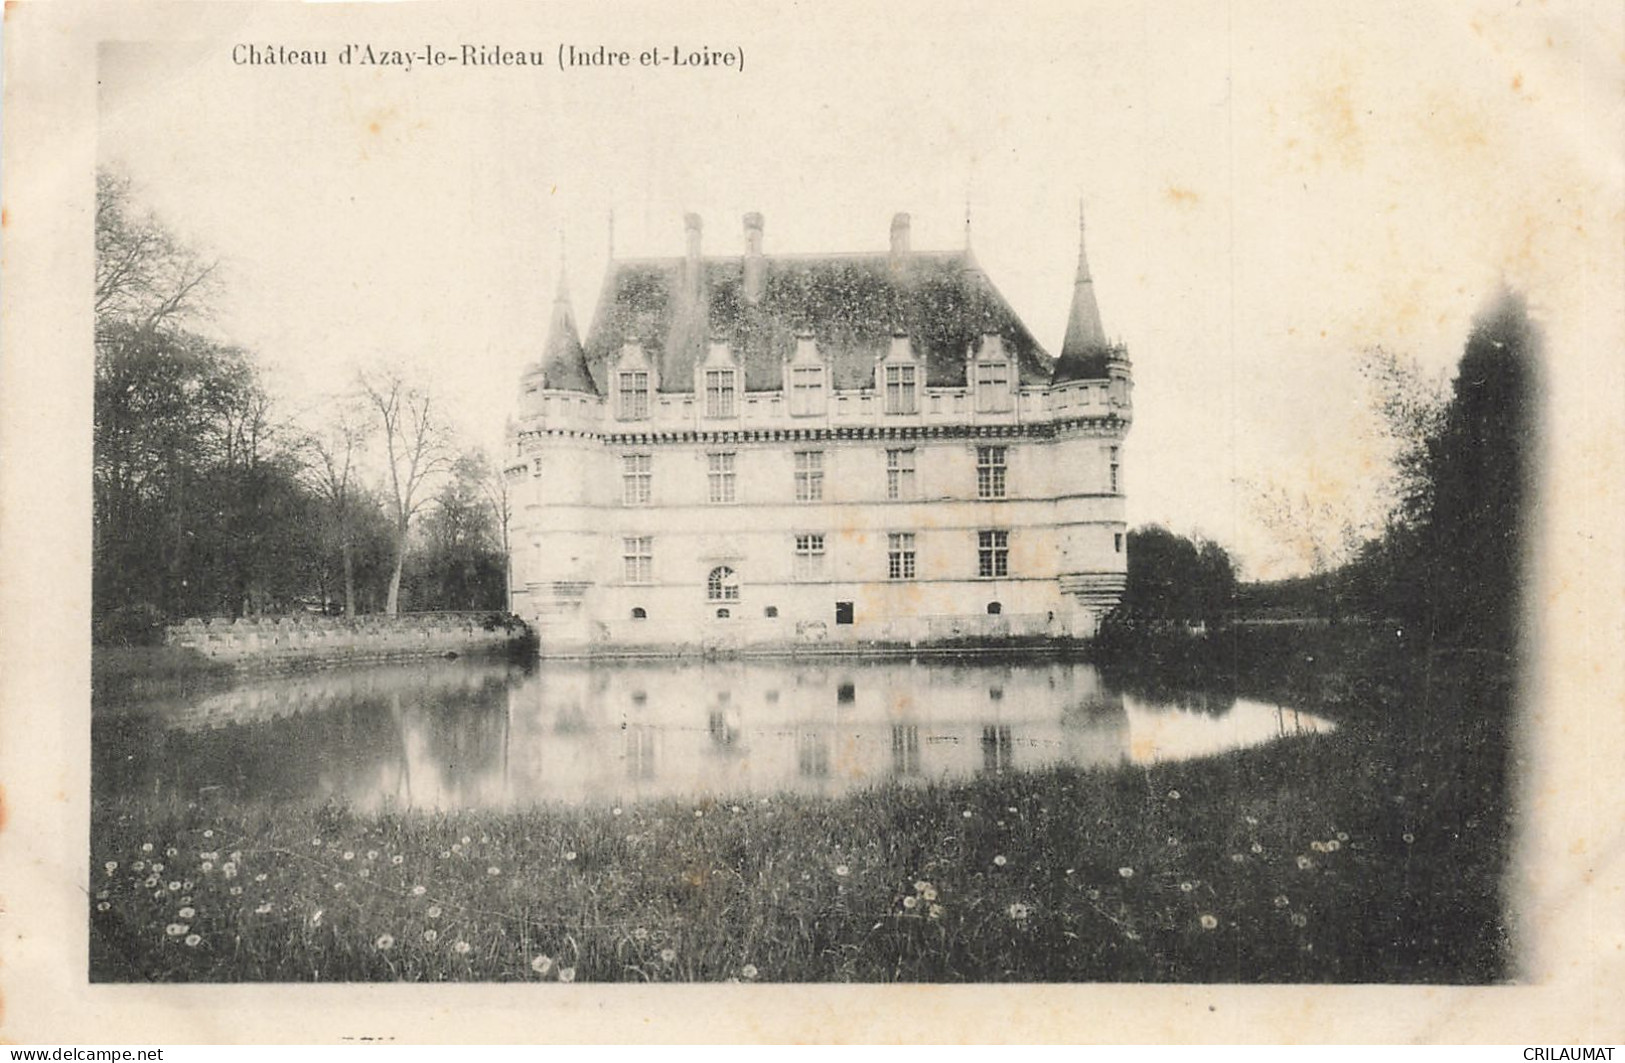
1083 353
564 361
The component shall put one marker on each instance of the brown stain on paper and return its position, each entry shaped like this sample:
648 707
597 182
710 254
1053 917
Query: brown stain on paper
1329 120
1180 196
378 118
1457 128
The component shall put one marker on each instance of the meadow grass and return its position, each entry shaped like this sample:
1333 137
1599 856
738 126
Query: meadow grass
1372 854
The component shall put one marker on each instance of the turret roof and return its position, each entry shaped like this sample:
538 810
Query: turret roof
564 360
1084 352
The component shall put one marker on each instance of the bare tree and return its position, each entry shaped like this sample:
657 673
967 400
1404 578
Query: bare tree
1322 530
334 452
497 493
417 449
145 277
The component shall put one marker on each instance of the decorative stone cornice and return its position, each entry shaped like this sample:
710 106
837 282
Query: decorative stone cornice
1039 430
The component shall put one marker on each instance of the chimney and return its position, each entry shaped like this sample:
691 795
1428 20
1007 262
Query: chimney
899 237
693 225
754 266
692 268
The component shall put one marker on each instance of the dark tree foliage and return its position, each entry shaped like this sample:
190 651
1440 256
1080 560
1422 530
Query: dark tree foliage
206 505
460 562
1449 564
198 506
1480 468
197 511
1172 578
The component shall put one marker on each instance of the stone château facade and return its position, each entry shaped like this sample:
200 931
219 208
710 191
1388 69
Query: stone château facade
827 449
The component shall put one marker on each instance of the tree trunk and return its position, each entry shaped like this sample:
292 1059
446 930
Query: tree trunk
392 605
349 581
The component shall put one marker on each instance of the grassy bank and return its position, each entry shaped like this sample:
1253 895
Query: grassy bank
1372 854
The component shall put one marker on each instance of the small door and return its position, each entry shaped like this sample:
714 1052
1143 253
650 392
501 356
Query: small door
843 612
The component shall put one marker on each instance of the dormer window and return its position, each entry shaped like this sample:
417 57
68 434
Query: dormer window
634 395
901 395
719 392
806 379
806 391
993 393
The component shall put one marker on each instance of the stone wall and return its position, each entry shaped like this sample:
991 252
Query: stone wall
757 634
295 638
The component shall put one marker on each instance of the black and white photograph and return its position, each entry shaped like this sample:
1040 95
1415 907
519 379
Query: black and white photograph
1119 499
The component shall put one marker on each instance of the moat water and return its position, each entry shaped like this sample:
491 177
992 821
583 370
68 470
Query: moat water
471 734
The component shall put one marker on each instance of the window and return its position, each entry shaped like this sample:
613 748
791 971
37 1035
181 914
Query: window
993 387
1117 542
722 585
806 391
723 731
719 392
993 554
809 562
636 479
843 614
900 555
905 749
994 608
812 754
720 469
900 474
634 396
639 613
900 397
771 612
1114 455
989 472
638 554
723 614
639 752
996 747
809 476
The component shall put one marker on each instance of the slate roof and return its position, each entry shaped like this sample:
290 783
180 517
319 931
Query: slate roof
564 360
851 303
1084 352
1085 364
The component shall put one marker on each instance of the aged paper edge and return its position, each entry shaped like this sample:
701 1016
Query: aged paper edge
1568 863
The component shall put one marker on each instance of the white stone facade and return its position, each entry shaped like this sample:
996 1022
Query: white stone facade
904 511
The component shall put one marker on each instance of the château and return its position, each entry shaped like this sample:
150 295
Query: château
800 450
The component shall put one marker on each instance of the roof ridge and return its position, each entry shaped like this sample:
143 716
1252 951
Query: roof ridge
660 260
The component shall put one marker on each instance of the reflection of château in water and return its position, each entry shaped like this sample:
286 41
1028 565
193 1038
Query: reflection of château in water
744 727
483 735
